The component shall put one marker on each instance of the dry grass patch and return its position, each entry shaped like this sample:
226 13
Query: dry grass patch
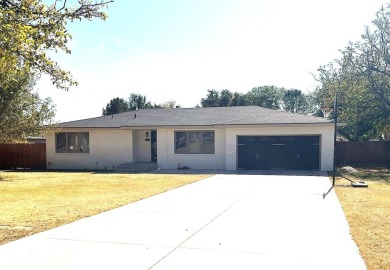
32 202
368 213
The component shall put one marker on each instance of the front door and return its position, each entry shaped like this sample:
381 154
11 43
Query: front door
153 141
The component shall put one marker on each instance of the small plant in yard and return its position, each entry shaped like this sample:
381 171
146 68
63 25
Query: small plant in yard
32 202
368 213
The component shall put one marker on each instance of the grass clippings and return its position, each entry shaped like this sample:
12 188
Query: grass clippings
32 202
368 213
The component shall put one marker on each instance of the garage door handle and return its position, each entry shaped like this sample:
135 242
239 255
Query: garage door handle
298 156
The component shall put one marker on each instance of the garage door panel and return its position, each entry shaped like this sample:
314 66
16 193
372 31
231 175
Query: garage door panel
278 152
310 157
248 158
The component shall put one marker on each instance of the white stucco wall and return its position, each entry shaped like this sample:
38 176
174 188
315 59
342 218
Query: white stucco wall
167 159
108 148
325 131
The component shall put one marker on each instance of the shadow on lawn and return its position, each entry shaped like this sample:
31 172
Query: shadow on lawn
2 179
367 174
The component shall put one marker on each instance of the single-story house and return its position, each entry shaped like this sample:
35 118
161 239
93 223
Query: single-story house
217 138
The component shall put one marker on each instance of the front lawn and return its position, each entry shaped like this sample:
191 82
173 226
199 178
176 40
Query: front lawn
368 213
32 202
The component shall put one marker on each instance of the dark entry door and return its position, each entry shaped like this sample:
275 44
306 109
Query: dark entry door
278 152
153 140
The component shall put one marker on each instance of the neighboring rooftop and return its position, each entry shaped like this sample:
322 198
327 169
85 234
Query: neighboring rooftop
203 116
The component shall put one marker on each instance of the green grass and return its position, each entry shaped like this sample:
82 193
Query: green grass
31 202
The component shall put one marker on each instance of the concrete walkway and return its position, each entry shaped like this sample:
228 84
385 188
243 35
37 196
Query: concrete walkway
223 222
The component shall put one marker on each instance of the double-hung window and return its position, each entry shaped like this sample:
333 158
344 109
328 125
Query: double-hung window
194 142
72 142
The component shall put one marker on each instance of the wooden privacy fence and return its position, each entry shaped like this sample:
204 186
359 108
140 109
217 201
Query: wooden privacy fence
23 156
363 153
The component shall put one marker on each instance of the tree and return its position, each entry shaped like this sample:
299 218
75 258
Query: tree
294 101
265 96
314 105
116 105
361 79
211 100
29 29
238 99
356 106
271 97
23 112
225 98
170 104
137 102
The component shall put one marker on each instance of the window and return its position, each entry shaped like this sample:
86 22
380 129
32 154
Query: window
72 142
194 142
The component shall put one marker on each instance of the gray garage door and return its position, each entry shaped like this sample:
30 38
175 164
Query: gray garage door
278 152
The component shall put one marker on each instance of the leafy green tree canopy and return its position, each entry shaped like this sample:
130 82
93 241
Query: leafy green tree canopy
271 97
225 98
214 98
116 105
239 99
294 101
211 100
23 112
29 29
265 96
361 79
137 102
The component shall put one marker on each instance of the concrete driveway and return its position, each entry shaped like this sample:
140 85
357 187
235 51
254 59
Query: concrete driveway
223 222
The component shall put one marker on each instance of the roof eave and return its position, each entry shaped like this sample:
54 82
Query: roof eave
205 126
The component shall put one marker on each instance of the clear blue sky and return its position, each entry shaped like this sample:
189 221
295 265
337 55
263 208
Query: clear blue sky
177 49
